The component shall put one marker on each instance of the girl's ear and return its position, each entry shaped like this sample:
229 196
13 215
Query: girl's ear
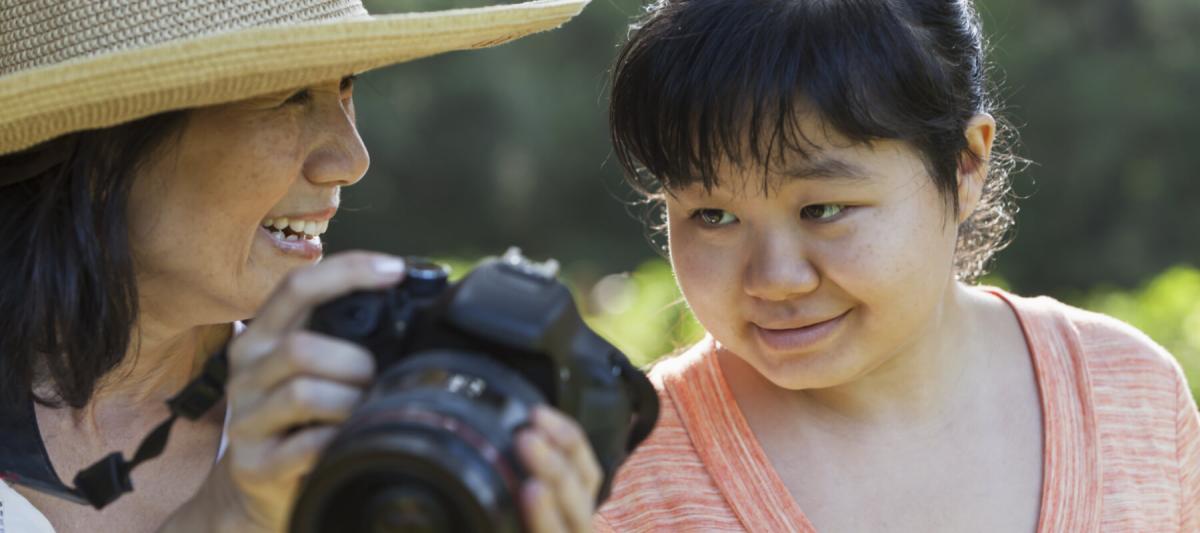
973 163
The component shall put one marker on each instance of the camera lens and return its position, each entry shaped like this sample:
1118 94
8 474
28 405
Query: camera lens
430 449
406 510
432 446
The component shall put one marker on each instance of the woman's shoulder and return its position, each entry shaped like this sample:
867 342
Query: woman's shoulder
17 514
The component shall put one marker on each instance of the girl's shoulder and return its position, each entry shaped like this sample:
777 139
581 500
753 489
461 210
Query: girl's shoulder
679 364
666 484
1133 401
1106 345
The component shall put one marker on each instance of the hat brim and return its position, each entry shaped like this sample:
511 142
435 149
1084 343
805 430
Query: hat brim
96 92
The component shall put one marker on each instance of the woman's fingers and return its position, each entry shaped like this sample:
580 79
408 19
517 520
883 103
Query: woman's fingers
562 494
293 300
277 438
303 353
289 388
568 503
541 509
567 436
287 460
297 454
306 288
299 402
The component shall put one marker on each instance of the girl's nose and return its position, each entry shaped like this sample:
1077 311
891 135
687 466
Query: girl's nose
778 269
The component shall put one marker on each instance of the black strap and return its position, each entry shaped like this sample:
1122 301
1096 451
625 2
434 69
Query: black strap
23 457
109 478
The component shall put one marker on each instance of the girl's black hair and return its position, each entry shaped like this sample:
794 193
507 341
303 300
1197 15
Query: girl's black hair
704 81
68 297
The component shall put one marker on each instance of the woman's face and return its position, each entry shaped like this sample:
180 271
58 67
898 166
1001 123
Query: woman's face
847 261
239 199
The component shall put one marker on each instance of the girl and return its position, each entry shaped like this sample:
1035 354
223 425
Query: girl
833 185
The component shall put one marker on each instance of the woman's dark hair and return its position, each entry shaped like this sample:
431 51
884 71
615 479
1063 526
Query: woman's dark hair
704 81
68 298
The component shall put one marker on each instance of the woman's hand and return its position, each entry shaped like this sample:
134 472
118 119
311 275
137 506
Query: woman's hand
290 388
565 477
288 391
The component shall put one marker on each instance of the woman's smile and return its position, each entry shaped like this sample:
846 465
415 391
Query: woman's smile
297 235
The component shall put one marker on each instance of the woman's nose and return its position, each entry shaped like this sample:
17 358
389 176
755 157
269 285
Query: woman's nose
779 269
338 157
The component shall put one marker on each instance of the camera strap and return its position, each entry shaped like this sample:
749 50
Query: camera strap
109 478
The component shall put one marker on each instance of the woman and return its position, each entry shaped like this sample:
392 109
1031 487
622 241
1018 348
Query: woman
167 170
833 187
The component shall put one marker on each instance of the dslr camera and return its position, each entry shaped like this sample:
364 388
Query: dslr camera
461 365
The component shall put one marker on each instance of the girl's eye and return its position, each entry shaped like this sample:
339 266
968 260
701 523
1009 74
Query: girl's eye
822 212
714 217
348 82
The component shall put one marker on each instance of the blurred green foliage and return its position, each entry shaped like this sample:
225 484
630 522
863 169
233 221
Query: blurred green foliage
476 151
641 312
1104 95
644 314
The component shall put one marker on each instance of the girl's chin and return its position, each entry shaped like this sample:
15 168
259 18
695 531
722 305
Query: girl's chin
811 370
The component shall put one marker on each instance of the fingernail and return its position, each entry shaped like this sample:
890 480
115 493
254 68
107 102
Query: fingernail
388 266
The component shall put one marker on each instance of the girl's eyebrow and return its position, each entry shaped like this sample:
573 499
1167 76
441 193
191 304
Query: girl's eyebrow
826 168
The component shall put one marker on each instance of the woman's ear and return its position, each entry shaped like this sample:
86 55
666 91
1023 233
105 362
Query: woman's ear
973 163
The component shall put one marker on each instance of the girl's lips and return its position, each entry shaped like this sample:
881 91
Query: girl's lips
308 250
797 339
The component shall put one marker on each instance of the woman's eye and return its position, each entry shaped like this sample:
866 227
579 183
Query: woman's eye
822 212
304 96
714 217
299 97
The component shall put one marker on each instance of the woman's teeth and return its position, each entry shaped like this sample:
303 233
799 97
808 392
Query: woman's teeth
299 229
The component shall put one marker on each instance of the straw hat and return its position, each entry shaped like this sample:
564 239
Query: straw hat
69 65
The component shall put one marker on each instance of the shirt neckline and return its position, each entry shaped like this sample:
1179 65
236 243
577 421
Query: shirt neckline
1070 499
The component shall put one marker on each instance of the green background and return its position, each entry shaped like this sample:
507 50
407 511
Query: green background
473 152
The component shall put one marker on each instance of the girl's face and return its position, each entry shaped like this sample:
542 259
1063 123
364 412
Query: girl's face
222 213
845 262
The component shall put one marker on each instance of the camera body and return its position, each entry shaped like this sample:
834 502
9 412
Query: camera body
460 367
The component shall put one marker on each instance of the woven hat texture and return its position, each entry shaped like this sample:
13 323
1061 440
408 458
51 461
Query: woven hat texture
70 65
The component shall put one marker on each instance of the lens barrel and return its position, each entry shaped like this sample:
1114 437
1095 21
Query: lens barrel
430 450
